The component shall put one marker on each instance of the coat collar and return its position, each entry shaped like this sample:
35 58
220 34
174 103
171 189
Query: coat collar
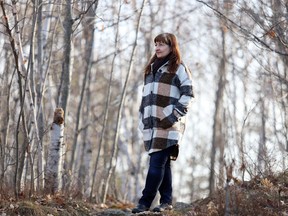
165 64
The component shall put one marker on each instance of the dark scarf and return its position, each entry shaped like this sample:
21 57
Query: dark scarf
158 62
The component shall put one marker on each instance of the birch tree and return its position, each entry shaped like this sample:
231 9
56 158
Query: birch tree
5 117
36 145
67 58
113 160
21 136
56 155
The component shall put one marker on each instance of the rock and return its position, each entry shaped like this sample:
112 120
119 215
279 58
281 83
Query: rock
181 205
111 212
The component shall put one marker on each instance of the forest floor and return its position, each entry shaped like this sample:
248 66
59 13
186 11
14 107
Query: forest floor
260 196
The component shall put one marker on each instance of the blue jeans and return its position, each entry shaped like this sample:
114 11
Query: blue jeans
159 178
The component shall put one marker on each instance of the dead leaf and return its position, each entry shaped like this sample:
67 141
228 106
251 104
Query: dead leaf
271 34
266 183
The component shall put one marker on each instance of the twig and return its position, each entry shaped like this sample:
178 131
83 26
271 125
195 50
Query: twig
81 15
252 36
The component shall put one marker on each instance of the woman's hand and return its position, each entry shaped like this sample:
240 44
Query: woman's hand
168 121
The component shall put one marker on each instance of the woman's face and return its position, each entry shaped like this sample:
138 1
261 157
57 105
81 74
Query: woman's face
162 49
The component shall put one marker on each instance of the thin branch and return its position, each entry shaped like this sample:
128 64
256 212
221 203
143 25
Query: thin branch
245 31
111 54
82 14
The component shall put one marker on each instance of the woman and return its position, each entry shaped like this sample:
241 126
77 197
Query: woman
167 93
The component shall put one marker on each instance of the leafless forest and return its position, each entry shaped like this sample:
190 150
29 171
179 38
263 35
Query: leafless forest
87 57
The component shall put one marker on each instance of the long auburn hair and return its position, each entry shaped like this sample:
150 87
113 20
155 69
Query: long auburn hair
175 57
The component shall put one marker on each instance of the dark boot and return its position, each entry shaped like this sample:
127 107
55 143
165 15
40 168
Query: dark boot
163 207
139 208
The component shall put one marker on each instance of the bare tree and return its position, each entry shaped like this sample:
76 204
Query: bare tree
107 100
241 62
21 135
67 61
5 117
89 38
218 138
56 153
113 160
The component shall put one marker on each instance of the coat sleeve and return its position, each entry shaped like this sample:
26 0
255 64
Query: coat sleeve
186 90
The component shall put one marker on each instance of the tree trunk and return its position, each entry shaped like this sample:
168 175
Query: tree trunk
5 119
89 36
65 83
262 156
86 150
21 136
278 13
218 136
48 56
40 117
36 144
113 160
67 61
56 151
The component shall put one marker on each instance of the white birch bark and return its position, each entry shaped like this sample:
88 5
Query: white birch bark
20 65
21 60
55 160
39 120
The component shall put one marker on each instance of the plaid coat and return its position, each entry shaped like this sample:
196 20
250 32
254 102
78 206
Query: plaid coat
165 101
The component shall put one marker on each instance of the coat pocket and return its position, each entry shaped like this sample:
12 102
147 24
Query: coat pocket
169 118
167 111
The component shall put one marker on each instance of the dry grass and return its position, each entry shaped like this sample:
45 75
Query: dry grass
261 196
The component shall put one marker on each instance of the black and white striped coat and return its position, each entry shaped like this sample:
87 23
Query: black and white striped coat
165 101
